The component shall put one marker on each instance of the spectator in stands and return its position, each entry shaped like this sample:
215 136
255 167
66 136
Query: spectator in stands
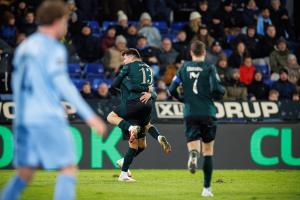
131 36
87 9
150 32
268 41
237 57
121 27
28 26
193 26
148 54
160 84
284 86
280 18
6 52
250 13
8 31
223 69
102 91
161 10
258 90
278 58
273 95
203 36
162 95
213 55
216 28
86 91
263 21
108 40
181 46
87 45
203 9
293 68
20 11
113 58
20 38
296 96
231 19
72 54
166 56
74 22
234 89
251 40
247 70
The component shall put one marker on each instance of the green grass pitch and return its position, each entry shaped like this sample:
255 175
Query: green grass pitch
170 185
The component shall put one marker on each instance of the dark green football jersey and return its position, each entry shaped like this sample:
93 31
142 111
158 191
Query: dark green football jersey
134 78
198 80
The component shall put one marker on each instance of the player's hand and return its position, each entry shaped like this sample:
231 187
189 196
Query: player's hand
150 89
145 97
98 124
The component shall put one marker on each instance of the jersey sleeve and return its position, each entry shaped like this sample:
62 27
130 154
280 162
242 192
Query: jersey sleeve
118 80
175 83
216 88
57 70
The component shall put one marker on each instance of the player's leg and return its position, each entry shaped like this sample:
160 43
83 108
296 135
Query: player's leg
194 147
142 145
152 130
114 119
17 183
128 158
65 183
207 151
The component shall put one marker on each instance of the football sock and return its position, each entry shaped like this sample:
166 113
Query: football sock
124 125
153 132
65 187
139 150
207 170
13 189
194 153
128 158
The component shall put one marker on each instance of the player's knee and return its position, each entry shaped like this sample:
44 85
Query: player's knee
134 144
70 170
143 145
207 151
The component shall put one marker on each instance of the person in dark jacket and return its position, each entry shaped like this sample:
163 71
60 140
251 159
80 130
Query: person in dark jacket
234 89
284 86
258 90
250 13
238 55
229 16
108 40
87 45
203 9
28 26
268 41
131 36
8 31
103 92
193 26
216 28
182 46
166 56
86 91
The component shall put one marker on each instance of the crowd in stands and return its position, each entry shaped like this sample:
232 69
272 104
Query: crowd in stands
252 43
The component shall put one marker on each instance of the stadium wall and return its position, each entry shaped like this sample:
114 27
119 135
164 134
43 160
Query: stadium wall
238 146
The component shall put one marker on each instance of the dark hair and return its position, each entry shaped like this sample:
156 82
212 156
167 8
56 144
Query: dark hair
49 11
132 52
198 48
141 37
246 57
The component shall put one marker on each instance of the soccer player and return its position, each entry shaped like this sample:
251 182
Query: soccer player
134 113
200 84
40 83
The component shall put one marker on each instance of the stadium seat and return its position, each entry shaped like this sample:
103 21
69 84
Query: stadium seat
78 82
161 25
264 69
93 68
268 82
136 23
172 36
230 38
106 24
176 26
95 28
227 52
74 70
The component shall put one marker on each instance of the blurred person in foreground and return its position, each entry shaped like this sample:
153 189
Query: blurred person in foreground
40 80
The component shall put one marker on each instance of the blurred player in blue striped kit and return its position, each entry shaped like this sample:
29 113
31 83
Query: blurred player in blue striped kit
40 83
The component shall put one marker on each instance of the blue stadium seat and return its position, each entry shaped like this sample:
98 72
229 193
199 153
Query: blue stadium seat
161 25
136 23
264 69
176 26
268 82
172 36
74 70
78 82
227 52
95 28
106 24
93 68
230 38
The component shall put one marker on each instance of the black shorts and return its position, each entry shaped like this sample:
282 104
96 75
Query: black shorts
199 127
136 113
